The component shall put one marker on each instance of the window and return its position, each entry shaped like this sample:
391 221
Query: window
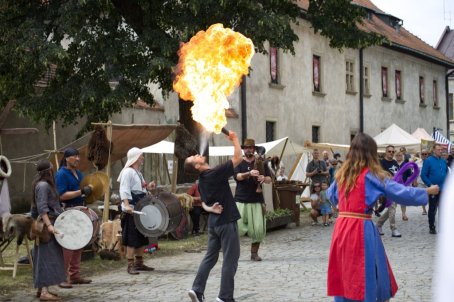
352 135
398 82
366 80
316 74
274 65
270 131
350 76
384 81
421 90
435 93
450 106
315 134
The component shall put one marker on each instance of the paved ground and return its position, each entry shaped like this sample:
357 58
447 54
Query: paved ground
294 269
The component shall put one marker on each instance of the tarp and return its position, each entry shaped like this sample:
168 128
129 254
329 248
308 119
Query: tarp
422 134
272 148
328 146
396 136
124 137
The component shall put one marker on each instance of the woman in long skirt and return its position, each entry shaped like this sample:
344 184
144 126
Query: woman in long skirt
48 264
358 268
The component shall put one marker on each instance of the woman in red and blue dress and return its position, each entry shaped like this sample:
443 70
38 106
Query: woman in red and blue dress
358 268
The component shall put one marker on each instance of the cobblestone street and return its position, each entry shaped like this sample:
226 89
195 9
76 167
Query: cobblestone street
294 269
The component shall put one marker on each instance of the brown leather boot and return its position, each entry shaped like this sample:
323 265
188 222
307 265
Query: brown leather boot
131 267
254 252
139 266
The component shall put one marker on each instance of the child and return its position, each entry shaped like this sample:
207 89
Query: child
325 205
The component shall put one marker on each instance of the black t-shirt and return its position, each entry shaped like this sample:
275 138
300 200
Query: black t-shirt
214 187
246 189
390 166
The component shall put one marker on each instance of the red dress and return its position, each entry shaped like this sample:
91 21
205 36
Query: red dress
358 268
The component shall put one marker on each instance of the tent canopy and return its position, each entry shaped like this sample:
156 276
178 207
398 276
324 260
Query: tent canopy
396 136
124 137
422 134
272 148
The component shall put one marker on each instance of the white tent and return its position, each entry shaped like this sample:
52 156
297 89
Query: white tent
422 134
272 148
396 136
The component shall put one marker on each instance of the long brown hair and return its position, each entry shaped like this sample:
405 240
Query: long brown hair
45 173
362 154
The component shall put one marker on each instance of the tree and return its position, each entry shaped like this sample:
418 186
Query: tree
97 44
85 48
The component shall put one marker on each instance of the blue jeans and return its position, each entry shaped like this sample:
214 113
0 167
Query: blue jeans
225 236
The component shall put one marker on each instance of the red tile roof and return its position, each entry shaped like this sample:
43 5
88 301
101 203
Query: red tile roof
401 38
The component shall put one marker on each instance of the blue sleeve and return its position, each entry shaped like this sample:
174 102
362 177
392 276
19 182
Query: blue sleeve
425 172
333 194
394 191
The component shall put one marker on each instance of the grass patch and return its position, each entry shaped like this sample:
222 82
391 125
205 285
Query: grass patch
94 266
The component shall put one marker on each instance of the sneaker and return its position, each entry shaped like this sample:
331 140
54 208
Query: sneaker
396 233
380 231
314 223
433 230
220 300
195 296
326 224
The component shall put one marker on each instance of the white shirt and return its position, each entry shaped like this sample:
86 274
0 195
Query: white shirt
131 181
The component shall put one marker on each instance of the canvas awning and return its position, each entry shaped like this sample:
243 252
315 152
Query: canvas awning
422 134
396 136
272 148
124 137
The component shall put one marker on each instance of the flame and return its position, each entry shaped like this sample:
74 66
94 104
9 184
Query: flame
210 66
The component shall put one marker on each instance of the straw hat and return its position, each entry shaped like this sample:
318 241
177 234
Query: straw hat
133 155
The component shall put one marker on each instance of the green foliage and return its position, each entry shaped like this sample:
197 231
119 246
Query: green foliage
135 43
278 213
338 20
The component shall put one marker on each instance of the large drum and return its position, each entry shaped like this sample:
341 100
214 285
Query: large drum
77 227
162 214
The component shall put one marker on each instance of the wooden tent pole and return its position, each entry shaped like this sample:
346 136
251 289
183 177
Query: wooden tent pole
57 164
174 174
105 213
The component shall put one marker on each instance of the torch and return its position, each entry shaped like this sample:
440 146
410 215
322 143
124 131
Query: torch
225 131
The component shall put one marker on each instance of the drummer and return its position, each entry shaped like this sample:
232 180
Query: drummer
68 180
132 188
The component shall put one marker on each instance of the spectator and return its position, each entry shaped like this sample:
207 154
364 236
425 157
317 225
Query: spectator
390 165
281 176
325 205
316 169
196 208
434 171
419 182
401 161
407 156
333 169
326 159
315 202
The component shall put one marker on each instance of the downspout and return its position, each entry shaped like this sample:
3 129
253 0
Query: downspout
447 101
243 109
361 91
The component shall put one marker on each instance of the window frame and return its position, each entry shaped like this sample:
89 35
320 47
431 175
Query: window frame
350 76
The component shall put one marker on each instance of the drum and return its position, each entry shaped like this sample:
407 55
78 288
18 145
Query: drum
162 214
78 227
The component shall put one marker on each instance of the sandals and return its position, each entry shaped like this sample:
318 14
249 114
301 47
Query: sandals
38 293
47 296
404 218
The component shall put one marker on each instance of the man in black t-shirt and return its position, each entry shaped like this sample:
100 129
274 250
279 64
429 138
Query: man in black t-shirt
218 201
250 203
390 165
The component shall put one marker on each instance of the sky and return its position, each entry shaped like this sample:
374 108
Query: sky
426 19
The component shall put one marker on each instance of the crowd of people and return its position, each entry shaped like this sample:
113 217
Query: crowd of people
352 189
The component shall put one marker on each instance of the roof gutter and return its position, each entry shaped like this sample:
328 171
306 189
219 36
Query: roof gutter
418 54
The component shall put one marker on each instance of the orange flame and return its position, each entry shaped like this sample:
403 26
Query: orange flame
211 65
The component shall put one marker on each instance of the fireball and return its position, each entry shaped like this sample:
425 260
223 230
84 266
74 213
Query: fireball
210 67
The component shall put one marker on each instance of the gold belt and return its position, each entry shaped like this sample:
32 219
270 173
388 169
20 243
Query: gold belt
355 215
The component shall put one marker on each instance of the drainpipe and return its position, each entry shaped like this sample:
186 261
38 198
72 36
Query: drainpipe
243 109
361 91
447 101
